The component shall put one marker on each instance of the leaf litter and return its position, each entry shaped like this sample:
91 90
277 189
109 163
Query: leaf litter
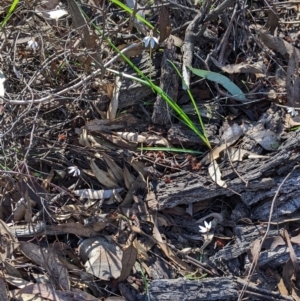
124 224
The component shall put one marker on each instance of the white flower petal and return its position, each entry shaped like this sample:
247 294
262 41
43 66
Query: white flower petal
152 43
146 41
75 170
202 229
150 40
155 40
292 111
56 14
32 44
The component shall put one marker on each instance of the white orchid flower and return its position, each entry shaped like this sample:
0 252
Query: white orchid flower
32 44
55 14
292 111
75 170
206 228
149 40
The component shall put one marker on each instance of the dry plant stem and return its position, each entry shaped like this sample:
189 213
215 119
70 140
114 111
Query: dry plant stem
223 44
255 259
190 35
80 83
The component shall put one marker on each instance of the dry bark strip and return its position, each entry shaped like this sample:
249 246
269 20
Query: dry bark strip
168 83
210 289
262 176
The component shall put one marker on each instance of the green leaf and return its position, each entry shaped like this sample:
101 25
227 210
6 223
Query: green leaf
9 13
232 88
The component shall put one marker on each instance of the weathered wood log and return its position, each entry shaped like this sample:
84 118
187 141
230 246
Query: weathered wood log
262 176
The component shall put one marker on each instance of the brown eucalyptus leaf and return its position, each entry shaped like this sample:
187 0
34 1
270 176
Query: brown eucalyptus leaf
277 44
102 258
213 154
103 176
215 173
49 261
15 281
280 284
128 260
47 292
239 154
113 106
3 290
128 177
114 167
132 137
119 141
83 138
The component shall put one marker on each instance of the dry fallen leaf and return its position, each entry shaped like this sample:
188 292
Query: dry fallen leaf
256 68
266 139
113 106
49 261
128 260
102 258
102 176
3 288
132 137
114 167
128 177
95 194
215 173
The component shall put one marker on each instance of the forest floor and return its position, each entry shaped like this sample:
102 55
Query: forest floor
108 193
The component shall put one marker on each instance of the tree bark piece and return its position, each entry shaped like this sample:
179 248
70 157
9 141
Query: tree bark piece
209 289
262 177
168 83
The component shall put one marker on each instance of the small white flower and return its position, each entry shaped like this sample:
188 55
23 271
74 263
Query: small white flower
150 40
292 111
32 44
206 228
55 14
75 170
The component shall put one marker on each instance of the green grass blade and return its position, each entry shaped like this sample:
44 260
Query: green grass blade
194 105
9 13
130 11
145 80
